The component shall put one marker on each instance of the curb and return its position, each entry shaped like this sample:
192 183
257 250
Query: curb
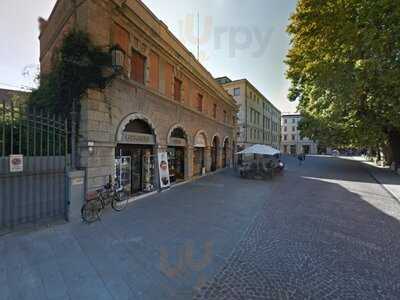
375 178
397 199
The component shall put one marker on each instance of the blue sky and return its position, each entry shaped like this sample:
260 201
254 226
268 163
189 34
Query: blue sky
240 39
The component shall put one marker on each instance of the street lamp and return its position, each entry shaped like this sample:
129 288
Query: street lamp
117 58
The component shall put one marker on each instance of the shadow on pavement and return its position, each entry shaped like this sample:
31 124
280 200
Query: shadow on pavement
316 239
292 237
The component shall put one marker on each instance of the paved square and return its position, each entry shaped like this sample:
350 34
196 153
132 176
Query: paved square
324 230
160 247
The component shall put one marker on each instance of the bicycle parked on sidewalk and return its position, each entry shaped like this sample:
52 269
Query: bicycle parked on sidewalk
114 195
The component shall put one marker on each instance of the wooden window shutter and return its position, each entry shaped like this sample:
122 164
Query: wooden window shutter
121 37
177 89
168 77
200 102
138 64
154 62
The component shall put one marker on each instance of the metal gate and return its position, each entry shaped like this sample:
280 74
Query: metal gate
33 163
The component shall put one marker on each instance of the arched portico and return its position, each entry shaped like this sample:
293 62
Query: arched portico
226 148
200 153
215 155
135 153
177 149
131 118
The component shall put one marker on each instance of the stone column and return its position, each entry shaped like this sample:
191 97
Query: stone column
96 143
188 162
219 157
207 158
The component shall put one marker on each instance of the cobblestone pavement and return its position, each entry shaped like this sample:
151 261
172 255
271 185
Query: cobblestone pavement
160 247
323 230
329 232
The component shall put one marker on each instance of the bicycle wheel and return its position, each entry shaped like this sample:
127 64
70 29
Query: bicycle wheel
91 211
120 201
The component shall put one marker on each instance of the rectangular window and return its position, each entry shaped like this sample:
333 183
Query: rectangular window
293 137
225 117
293 121
215 111
121 37
199 102
154 73
168 77
285 137
177 89
285 129
236 92
138 62
293 128
285 121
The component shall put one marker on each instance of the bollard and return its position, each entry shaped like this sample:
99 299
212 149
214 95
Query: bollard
76 195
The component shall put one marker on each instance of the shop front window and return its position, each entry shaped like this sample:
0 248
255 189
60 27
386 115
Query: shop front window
176 163
198 161
135 158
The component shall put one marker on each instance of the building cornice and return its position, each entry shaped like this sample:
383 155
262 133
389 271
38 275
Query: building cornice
247 82
128 7
184 106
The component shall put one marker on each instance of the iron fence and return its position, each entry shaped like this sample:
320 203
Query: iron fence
31 132
38 191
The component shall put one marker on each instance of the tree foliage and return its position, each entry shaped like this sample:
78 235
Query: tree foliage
344 66
79 66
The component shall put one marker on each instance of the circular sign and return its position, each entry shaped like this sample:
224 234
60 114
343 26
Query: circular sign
163 165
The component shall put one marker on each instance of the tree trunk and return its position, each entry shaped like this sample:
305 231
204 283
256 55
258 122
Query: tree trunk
387 154
378 153
394 142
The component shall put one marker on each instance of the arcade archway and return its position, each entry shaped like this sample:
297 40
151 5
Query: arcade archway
215 153
200 143
177 142
135 160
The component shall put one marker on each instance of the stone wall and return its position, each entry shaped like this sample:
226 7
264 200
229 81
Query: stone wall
103 112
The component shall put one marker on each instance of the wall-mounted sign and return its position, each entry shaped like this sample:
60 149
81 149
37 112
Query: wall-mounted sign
163 169
200 141
177 142
77 181
16 163
137 138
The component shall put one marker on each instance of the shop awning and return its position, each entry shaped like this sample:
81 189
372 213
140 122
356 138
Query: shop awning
261 150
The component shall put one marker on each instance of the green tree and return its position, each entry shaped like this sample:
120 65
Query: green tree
344 65
79 66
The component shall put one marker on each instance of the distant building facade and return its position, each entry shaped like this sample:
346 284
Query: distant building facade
292 141
16 97
258 119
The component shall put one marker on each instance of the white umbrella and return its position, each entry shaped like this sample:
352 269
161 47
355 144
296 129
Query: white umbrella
260 149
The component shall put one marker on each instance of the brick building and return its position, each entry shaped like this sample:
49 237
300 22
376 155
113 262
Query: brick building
165 100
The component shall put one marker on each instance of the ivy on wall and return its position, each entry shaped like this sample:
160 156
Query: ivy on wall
79 66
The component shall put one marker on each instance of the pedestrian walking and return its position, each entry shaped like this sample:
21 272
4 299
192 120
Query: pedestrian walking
300 157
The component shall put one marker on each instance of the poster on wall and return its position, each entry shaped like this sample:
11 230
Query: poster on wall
16 163
163 170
